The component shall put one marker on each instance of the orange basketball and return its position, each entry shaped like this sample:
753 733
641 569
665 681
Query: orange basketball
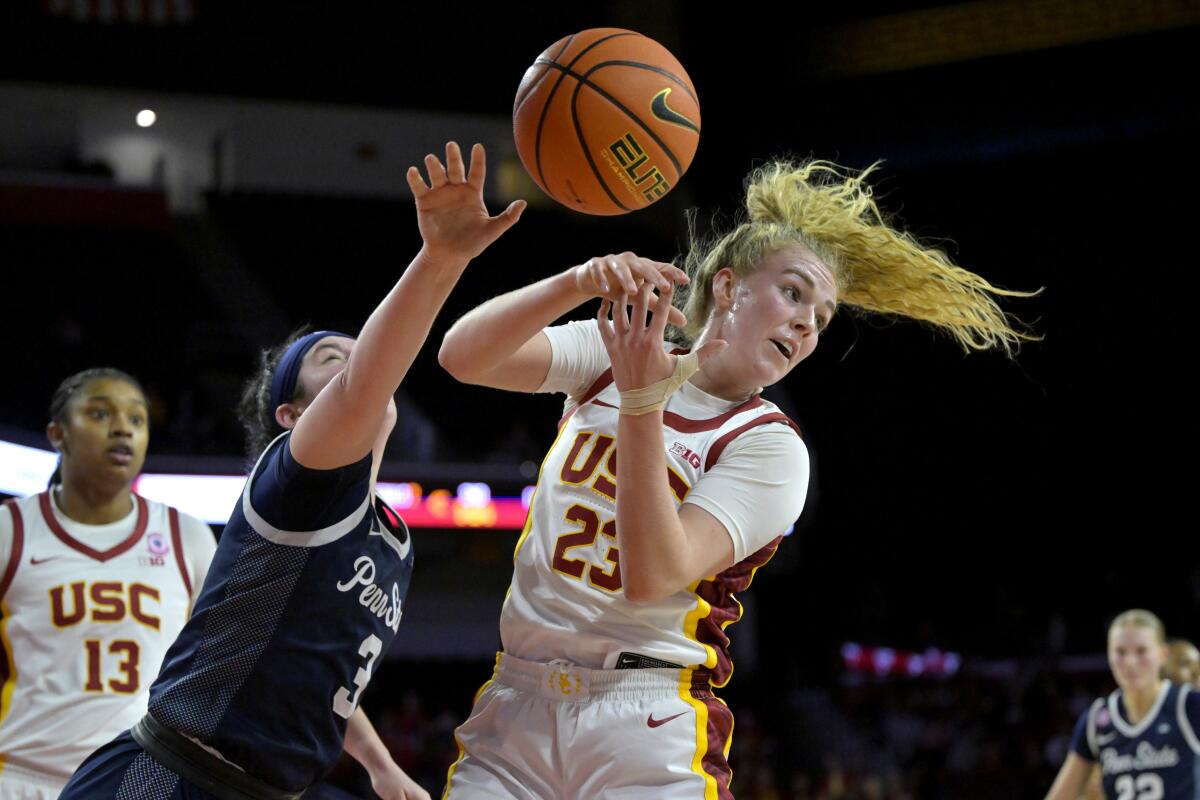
606 121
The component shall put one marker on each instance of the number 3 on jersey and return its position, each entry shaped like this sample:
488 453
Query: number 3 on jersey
343 703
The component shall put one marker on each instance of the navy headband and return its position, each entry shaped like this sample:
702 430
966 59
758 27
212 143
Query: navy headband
283 382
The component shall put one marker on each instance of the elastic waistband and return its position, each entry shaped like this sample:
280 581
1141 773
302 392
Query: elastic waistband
567 682
207 771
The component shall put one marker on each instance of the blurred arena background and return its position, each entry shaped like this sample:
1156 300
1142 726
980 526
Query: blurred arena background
935 621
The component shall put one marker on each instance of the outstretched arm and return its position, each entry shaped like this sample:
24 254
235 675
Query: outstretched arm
387 779
341 424
500 343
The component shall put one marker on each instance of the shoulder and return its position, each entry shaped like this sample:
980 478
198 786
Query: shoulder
189 526
16 515
195 532
771 437
20 508
1188 712
283 498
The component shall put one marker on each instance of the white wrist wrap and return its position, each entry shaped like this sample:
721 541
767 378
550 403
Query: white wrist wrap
653 397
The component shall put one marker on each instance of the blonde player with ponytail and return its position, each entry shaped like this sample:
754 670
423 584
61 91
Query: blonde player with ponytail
1141 740
671 480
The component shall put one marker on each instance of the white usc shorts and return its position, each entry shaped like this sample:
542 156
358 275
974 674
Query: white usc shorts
561 732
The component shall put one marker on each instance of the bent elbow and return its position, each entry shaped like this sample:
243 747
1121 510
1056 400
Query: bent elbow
453 358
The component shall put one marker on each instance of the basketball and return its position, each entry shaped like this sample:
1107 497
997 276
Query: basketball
606 121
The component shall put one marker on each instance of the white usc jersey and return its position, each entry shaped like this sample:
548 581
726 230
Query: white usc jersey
566 602
86 614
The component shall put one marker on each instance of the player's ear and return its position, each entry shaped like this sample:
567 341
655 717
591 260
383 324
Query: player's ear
288 414
56 434
723 284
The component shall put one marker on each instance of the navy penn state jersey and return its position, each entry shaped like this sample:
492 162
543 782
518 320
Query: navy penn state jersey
1157 759
303 598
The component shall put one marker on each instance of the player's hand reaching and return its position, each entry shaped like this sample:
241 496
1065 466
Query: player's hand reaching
614 277
633 338
451 214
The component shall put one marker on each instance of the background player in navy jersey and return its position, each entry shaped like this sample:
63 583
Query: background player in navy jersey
1142 737
671 480
95 584
260 692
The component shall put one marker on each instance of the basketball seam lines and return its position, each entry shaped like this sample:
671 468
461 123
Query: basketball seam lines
521 99
643 65
537 141
584 79
581 81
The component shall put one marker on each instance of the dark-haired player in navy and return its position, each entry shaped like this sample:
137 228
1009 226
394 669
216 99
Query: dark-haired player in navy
259 695
1142 737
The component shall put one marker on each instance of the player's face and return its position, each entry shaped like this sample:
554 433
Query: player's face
1183 663
325 361
776 315
105 432
1135 655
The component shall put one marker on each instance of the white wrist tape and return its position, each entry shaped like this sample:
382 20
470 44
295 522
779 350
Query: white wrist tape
653 397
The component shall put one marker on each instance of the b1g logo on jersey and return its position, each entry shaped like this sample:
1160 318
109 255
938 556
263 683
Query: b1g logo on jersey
687 455
158 547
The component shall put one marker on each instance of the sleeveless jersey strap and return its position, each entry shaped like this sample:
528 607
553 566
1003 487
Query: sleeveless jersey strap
1091 727
17 549
1185 724
177 545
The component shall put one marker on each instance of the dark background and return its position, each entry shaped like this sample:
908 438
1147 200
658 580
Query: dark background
1001 509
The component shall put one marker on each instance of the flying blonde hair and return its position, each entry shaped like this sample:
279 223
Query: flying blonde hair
877 268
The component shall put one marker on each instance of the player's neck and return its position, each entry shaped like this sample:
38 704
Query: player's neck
1139 702
92 505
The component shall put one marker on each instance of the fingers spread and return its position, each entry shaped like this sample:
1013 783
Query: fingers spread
620 315
454 163
662 311
603 322
415 182
641 308
624 275
478 169
649 272
437 173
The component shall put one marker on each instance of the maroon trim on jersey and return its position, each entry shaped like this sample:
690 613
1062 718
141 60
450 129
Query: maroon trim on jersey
720 594
719 445
598 386
143 517
720 728
18 546
685 425
177 543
